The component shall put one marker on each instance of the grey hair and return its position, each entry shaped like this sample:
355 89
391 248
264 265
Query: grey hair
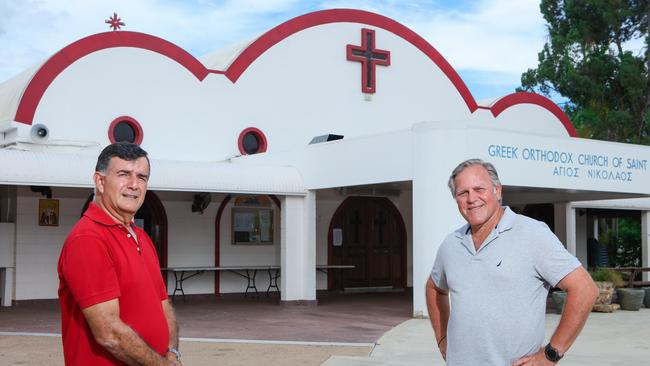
492 171
123 150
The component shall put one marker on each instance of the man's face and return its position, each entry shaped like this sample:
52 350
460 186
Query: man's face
476 196
123 188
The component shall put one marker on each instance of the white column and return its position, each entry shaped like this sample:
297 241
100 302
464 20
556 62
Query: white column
6 286
7 262
298 249
581 232
565 225
436 153
645 243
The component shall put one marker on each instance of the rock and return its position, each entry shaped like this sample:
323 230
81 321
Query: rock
606 291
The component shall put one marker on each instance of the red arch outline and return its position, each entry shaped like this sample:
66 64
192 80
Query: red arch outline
97 42
532 98
286 29
71 53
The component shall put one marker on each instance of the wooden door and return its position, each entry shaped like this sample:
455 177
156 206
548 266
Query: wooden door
373 240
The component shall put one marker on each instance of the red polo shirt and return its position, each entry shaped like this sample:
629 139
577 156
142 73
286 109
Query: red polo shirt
100 262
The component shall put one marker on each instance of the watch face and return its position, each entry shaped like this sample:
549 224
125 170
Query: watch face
551 353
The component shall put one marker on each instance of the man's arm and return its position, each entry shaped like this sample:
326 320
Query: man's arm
581 296
118 338
438 306
173 328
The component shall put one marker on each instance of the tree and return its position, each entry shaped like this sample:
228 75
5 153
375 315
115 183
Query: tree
590 59
624 244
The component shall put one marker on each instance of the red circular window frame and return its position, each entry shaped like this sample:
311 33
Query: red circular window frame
139 134
260 137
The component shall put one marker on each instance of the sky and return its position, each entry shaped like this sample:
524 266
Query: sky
490 43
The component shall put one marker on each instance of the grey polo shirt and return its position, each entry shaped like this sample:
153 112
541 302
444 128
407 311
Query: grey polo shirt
498 293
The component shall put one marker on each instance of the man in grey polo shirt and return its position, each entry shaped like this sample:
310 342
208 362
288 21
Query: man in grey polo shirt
497 270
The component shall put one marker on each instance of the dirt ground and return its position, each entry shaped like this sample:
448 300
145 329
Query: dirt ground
46 350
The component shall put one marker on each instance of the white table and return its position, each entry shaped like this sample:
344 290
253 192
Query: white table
181 274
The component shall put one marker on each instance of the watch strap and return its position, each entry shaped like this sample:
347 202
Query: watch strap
176 352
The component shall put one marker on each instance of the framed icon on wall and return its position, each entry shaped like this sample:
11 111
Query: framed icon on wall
48 212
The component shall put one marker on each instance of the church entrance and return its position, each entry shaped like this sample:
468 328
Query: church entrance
151 217
369 233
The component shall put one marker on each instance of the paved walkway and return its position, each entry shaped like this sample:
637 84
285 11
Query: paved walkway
620 338
340 331
347 318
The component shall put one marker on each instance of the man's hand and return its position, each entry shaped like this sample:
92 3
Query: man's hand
118 338
536 359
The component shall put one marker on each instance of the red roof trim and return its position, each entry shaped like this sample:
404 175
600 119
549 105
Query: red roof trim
71 53
286 29
532 98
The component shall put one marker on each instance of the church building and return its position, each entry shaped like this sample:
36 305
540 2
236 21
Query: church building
321 148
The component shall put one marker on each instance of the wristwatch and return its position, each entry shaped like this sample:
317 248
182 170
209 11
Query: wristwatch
552 354
176 352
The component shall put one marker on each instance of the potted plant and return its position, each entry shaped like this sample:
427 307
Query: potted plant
630 298
607 281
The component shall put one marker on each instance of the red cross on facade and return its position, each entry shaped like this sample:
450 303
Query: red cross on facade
369 56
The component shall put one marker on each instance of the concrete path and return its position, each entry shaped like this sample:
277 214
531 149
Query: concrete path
620 338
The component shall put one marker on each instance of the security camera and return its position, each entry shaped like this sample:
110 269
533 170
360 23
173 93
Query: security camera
39 133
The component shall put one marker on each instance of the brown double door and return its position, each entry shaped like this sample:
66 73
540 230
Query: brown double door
373 240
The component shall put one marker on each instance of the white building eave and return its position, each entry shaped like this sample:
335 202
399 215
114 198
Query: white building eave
76 170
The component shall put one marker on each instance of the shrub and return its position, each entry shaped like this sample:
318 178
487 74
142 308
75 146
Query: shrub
607 275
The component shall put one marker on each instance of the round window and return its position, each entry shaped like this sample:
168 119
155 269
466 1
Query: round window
124 132
251 141
125 129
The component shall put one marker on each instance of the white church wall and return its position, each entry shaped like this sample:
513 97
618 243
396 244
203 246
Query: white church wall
551 162
167 99
7 262
384 158
404 204
301 81
581 236
435 214
190 240
326 205
524 118
7 244
38 247
159 93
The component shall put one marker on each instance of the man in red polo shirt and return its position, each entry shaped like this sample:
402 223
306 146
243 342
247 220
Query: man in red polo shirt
114 306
